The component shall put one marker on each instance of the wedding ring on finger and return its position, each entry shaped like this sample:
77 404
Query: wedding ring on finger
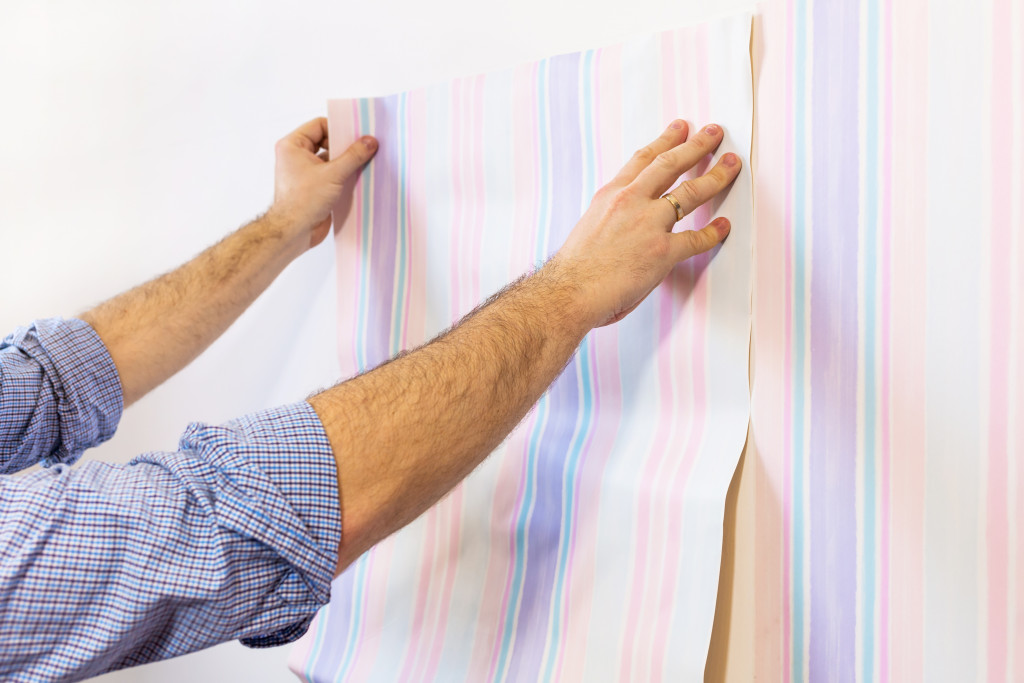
675 204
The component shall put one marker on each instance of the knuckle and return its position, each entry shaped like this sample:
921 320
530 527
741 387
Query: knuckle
604 194
621 199
720 174
645 153
695 241
666 160
706 142
356 153
690 194
659 249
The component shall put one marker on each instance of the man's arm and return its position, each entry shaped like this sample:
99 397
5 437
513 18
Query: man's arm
405 433
157 328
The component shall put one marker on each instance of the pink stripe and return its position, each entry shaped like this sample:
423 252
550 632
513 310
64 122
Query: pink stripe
909 346
1018 312
1017 652
997 531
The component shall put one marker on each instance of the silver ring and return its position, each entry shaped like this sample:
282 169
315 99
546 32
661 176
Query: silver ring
675 204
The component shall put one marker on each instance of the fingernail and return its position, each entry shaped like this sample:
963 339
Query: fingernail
369 143
721 225
677 124
730 159
711 130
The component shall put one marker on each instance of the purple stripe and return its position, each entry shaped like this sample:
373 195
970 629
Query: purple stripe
833 547
544 526
327 662
384 249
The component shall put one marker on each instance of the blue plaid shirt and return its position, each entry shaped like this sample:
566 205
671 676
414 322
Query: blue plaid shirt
106 566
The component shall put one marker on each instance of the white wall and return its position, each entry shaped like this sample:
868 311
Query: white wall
134 134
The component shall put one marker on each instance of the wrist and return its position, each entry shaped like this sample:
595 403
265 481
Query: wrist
283 226
564 297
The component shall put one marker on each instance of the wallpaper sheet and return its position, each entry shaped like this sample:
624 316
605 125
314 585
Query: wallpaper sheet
588 546
881 505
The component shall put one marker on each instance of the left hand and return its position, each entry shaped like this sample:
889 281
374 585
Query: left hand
307 183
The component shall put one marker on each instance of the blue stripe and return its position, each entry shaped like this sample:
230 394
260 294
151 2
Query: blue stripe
871 226
799 339
586 412
318 641
522 520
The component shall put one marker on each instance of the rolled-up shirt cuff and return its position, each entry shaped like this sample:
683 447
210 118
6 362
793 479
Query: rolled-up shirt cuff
83 385
93 400
289 447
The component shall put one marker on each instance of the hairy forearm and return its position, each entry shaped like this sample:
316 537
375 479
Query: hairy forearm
157 328
407 432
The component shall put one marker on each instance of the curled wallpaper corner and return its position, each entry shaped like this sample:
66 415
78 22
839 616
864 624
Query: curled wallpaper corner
588 546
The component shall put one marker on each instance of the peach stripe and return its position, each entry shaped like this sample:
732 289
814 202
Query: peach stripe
909 172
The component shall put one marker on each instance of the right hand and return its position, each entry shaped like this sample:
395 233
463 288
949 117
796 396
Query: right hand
623 246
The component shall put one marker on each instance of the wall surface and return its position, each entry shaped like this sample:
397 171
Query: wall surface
135 134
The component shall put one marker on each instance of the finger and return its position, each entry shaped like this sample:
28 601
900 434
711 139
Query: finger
665 170
353 158
324 155
692 242
692 193
674 135
311 136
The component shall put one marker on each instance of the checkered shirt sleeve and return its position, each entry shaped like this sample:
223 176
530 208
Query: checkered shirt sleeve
59 394
107 566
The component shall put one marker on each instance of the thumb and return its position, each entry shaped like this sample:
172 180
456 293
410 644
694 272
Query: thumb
692 242
353 158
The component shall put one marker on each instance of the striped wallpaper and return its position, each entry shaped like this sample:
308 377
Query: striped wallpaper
588 546
876 534
877 525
